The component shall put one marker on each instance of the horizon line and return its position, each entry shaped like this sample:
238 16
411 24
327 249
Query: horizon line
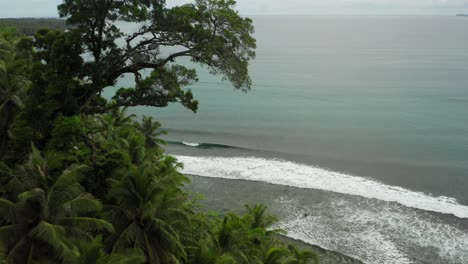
280 14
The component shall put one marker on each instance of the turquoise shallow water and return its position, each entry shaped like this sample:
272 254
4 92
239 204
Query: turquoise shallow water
383 98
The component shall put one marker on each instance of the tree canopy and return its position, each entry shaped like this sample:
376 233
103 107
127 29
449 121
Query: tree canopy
29 26
210 32
70 69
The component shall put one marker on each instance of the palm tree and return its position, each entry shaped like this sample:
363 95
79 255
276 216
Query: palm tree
231 235
204 251
91 252
239 239
118 117
236 238
10 184
274 256
40 171
298 256
115 118
46 220
259 217
134 148
260 224
13 86
151 131
148 211
131 147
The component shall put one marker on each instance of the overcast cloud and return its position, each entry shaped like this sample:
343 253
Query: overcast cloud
47 8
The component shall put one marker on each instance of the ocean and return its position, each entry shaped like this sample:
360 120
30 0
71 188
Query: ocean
362 119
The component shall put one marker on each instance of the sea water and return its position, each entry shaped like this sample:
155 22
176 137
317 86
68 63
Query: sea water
370 111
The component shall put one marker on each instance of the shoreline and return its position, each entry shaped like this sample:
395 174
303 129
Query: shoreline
325 256
364 230
212 201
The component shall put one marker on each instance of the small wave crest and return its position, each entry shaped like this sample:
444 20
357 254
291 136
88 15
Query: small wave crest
304 176
201 145
191 144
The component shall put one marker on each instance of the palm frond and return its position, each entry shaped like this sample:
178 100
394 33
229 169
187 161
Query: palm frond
16 250
275 256
126 238
10 232
83 204
55 237
7 210
301 256
130 257
65 188
13 187
114 212
87 224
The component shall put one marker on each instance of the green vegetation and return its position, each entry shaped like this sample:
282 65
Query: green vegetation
83 182
29 26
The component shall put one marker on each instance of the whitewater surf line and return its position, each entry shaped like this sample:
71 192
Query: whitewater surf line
292 174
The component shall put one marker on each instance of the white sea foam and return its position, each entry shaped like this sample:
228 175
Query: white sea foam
375 233
304 176
191 144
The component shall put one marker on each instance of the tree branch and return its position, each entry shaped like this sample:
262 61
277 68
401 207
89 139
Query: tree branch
175 55
136 67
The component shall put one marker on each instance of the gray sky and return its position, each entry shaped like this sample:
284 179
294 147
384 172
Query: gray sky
47 8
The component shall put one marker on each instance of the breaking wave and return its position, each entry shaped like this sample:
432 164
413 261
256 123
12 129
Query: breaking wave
288 173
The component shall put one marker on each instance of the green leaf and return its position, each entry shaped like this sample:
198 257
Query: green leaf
55 236
87 224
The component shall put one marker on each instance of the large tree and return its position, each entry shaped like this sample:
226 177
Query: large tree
71 69
209 32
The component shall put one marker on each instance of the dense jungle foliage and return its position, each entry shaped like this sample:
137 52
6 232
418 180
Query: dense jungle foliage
81 181
29 26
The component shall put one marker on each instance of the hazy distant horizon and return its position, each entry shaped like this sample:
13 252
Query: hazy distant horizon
48 8
295 14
